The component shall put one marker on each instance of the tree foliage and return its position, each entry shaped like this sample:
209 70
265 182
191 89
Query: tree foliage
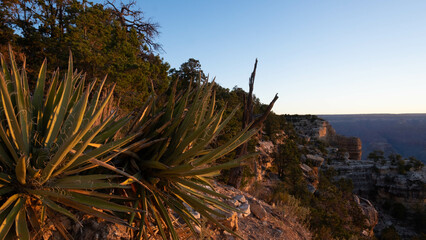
188 73
104 38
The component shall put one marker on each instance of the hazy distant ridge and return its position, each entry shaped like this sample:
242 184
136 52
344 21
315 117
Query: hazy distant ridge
404 134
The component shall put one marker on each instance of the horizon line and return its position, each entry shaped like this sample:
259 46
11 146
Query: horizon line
324 114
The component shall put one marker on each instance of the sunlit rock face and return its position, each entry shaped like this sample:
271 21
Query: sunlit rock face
352 145
325 131
322 130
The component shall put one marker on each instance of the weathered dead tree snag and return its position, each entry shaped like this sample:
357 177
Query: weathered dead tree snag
236 175
134 20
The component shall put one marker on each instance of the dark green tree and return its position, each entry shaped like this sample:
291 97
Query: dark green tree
288 164
105 39
189 72
376 155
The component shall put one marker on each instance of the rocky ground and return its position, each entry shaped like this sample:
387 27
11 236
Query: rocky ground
256 220
261 220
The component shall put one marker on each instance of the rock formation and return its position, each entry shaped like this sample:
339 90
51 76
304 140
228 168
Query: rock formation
262 221
316 128
383 180
360 172
409 189
372 216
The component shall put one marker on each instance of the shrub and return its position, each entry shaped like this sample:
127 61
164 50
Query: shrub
376 155
173 171
47 143
294 208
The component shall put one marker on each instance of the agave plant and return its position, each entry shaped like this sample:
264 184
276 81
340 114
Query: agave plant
174 171
47 142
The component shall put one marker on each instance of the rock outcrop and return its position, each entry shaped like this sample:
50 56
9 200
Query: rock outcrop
383 180
319 129
265 160
409 188
351 145
372 216
263 222
360 172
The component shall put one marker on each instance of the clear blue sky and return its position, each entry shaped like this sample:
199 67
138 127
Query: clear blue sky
321 57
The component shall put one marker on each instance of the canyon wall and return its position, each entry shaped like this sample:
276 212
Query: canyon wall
320 129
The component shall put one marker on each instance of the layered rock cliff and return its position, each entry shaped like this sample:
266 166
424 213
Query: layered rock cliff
397 181
320 129
383 180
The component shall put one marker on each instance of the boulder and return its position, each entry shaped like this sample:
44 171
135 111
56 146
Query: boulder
316 159
240 198
257 210
234 202
245 209
230 221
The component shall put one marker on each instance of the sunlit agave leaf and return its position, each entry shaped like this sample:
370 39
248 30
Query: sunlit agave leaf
196 187
10 219
75 118
95 153
232 144
78 89
5 178
9 202
81 147
22 110
179 155
110 130
10 115
5 70
48 105
61 107
22 231
69 144
112 168
37 99
93 103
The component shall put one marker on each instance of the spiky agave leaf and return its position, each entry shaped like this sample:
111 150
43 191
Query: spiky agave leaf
175 172
45 146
